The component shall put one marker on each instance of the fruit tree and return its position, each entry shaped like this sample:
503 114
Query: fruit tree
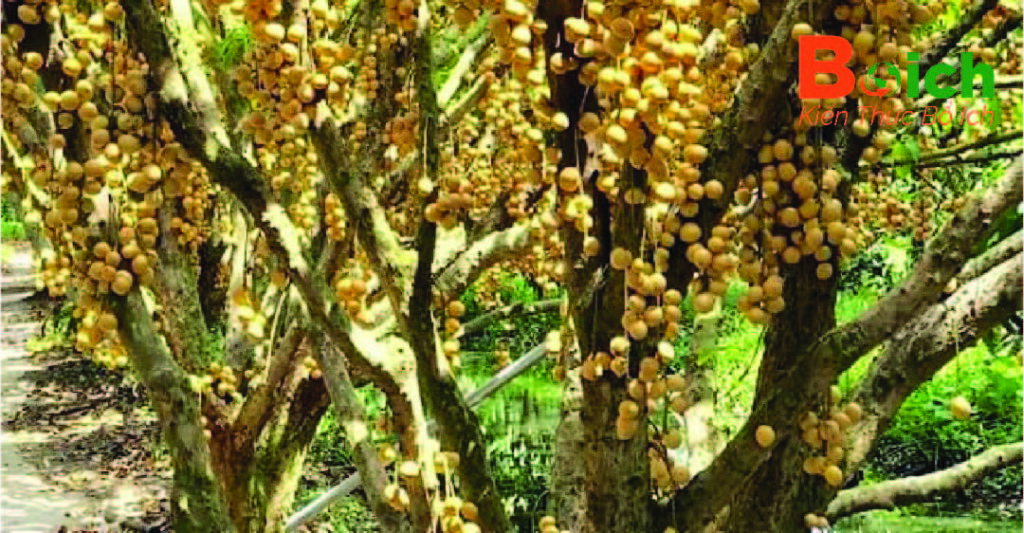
262 206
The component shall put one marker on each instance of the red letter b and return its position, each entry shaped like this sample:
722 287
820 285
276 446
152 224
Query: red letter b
810 66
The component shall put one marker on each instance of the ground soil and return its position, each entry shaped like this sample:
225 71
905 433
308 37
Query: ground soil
77 442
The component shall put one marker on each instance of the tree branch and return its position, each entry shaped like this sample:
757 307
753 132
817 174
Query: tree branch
197 127
466 62
199 507
732 145
796 390
944 256
917 489
997 138
923 345
944 46
978 160
480 256
1005 249
257 409
391 262
357 433
516 309
458 427
473 399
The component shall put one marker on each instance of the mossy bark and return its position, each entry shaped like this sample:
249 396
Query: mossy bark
260 489
197 503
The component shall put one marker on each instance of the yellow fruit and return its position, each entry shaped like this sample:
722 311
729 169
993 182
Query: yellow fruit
626 428
765 436
834 476
629 409
704 302
107 322
469 511
122 283
673 439
621 258
854 411
801 29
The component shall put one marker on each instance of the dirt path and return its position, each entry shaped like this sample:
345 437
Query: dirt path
30 504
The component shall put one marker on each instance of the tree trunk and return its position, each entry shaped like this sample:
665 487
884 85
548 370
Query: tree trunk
197 503
260 490
780 493
748 488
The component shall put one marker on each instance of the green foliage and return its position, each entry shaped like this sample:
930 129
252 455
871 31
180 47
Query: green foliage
903 522
449 46
881 266
12 227
230 49
993 385
329 454
351 515
519 423
520 419
12 231
347 515
328 447
925 437
518 334
734 359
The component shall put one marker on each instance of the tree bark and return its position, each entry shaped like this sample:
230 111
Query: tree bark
789 383
260 490
197 502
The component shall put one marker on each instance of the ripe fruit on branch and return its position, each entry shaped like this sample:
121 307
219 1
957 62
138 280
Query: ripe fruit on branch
765 436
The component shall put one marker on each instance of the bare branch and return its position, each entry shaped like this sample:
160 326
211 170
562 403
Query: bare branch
454 113
516 309
1005 249
973 161
917 489
357 433
998 138
944 256
257 409
466 62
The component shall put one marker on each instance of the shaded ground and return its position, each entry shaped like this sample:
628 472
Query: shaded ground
75 439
